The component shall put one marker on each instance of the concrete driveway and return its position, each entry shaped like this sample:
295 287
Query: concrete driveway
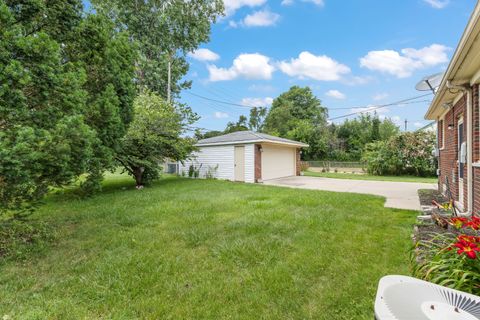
400 195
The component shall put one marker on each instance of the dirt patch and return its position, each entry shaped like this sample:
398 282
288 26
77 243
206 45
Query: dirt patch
426 197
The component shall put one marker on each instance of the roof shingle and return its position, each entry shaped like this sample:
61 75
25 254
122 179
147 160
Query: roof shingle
247 136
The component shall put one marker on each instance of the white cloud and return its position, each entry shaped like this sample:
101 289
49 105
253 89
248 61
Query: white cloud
257 102
220 115
247 65
233 5
397 120
204 55
232 24
319 3
402 64
335 94
380 96
321 68
437 4
263 18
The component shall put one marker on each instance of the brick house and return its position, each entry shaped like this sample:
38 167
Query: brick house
456 110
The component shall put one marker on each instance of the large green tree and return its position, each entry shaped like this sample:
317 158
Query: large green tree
65 97
353 135
164 30
156 133
297 114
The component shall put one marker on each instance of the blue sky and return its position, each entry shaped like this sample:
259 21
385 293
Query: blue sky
351 53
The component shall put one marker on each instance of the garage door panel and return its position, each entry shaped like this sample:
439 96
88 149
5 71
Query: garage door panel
278 162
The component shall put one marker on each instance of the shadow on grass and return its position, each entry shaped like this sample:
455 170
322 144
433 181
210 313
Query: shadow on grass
113 182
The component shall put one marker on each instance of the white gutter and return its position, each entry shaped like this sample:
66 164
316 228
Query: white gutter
470 150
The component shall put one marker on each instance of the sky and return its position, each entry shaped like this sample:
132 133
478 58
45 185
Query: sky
353 54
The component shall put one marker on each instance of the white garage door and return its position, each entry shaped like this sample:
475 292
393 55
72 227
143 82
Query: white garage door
278 162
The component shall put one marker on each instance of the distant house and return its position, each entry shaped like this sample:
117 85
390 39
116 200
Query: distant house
455 108
246 156
431 127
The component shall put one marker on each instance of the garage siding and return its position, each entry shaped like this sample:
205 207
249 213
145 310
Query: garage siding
209 157
223 156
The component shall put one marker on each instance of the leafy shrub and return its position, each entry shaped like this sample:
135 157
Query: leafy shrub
193 171
19 238
304 165
408 153
211 172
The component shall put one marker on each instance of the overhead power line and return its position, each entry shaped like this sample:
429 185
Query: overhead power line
370 109
219 101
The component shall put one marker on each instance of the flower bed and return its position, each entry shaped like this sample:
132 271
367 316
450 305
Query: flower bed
447 253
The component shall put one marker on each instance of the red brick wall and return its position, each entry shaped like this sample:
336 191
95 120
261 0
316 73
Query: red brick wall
258 163
449 155
298 165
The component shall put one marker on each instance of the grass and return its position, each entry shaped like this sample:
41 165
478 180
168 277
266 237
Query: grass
205 249
352 176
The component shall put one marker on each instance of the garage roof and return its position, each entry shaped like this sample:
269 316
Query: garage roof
248 137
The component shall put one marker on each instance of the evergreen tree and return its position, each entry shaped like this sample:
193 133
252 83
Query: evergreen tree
65 97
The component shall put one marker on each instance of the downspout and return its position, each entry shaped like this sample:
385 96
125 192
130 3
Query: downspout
470 150
466 89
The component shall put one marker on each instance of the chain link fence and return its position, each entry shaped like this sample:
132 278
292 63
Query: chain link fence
336 166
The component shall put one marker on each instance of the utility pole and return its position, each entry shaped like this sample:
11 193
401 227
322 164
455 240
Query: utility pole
406 125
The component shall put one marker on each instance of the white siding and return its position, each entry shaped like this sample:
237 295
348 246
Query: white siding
250 163
223 156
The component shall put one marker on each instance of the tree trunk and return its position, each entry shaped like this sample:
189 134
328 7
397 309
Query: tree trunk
138 174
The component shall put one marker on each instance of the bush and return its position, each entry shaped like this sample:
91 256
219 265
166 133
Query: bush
409 153
304 166
211 172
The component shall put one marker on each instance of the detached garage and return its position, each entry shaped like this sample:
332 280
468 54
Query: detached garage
246 156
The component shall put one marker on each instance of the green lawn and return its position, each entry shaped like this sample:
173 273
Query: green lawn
352 176
198 249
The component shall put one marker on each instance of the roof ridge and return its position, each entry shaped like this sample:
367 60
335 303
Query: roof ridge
257 134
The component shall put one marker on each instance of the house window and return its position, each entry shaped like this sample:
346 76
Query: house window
440 134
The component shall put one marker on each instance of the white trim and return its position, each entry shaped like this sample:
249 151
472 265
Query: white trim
291 144
476 78
476 164
442 127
